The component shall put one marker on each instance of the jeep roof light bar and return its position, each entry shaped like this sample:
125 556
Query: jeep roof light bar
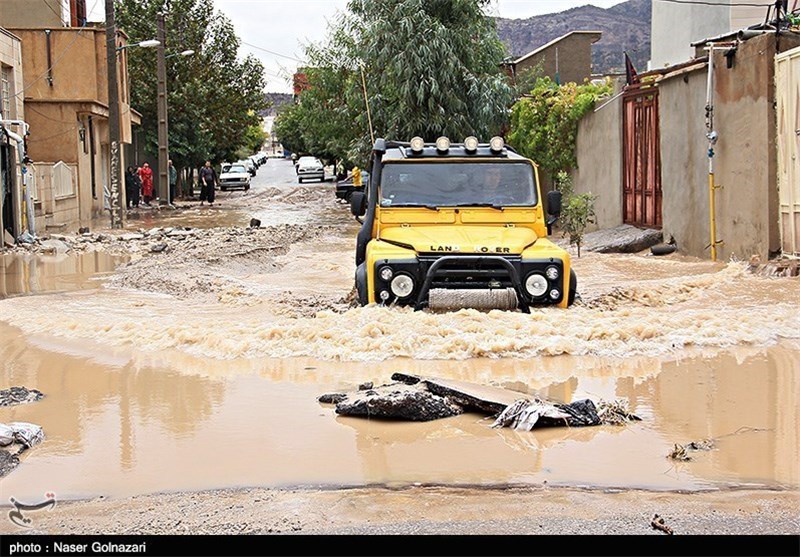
471 147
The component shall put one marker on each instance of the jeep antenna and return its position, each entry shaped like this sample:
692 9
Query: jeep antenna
366 101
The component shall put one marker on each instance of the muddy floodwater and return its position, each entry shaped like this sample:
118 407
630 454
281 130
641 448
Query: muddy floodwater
150 391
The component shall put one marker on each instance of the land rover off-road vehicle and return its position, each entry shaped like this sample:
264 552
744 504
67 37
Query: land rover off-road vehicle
446 226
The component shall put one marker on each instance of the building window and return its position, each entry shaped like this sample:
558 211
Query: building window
6 91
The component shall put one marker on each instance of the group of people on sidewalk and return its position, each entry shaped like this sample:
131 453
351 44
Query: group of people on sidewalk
139 186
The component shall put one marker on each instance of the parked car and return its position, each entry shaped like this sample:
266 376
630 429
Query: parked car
236 176
249 165
310 167
304 159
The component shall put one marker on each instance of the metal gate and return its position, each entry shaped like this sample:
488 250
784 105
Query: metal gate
641 157
787 89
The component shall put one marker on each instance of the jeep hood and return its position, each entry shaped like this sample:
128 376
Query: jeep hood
496 240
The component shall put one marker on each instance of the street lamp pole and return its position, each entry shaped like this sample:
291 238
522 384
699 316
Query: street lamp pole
163 131
113 117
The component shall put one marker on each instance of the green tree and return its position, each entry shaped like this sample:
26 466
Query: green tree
429 68
214 97
254 139
544 124
577 211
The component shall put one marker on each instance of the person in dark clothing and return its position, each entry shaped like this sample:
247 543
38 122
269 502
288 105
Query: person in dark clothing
173 181
133 185
208 181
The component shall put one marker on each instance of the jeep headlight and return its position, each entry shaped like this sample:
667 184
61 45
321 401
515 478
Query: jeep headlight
402 286
551 272
536 284
386 274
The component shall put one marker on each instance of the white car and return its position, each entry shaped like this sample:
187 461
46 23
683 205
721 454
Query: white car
249 165
236 176
310 167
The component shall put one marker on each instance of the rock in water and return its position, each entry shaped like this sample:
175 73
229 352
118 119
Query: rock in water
400 402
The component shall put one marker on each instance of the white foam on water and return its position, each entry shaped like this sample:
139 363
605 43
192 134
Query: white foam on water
648 316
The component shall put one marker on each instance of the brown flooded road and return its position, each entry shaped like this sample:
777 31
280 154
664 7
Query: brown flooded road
150 392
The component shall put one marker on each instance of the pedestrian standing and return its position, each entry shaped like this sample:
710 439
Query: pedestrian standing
146 175
356 175
208 181
173 181
132 187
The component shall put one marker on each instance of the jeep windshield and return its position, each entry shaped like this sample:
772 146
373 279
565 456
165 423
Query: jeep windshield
457 184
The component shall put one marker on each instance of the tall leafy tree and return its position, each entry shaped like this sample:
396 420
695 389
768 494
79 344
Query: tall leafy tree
422 67
214 96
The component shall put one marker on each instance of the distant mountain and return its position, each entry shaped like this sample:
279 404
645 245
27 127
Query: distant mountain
625 26
276 100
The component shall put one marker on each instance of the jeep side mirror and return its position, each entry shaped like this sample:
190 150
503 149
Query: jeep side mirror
553 209
358 203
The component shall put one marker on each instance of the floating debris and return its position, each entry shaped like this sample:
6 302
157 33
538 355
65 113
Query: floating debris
418 398
23 433
681 452
19 395
615 413
658 523
399 401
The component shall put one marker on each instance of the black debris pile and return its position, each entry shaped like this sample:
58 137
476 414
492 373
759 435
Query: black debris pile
416 398
396 401
19 395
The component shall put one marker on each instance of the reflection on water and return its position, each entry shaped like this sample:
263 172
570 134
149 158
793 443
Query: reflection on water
38 274
123 422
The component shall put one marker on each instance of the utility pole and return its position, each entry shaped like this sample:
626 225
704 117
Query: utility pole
163 137
115 204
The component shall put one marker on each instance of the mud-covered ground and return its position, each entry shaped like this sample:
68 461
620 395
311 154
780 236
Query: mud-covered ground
431 510
202 301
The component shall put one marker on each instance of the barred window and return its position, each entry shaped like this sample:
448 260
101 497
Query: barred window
6 92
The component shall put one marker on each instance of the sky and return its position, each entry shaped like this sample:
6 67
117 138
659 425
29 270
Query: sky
275 31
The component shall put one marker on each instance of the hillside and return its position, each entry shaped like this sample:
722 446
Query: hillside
625 26
276 100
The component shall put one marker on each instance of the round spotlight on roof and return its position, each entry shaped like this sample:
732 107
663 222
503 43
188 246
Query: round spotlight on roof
496 144
417 144
442 144
471 144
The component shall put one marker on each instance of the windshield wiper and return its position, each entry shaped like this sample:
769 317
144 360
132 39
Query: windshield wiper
431 207
492 205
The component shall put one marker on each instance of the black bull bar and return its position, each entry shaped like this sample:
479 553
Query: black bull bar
476 260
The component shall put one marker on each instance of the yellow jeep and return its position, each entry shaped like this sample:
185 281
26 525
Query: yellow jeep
446 226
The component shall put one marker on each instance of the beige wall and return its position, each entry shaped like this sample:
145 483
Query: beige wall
746 121
675 26
745 161
59 109
79 72
574 58
599 153
30 13
54 211
684 161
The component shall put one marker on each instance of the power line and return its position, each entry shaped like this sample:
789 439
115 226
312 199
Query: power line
718 4
58 15
273 52
60 57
